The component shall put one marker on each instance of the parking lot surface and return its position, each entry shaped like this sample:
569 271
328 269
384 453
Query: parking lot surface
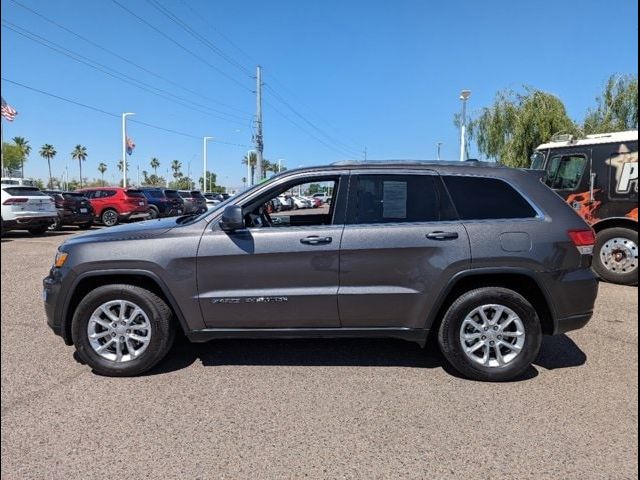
311 408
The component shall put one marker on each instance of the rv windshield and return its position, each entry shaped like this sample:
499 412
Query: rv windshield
537 161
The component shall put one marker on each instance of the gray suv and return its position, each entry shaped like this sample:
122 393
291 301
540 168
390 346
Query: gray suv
485 258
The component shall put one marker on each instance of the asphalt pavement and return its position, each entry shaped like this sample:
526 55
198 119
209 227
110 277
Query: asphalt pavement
311 408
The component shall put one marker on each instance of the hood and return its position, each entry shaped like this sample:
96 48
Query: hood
132 231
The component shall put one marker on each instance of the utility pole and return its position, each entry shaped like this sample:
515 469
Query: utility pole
365 154
204 173
438 145
464 96
258 136
124 148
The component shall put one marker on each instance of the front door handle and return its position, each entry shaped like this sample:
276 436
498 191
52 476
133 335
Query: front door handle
442 235
315 240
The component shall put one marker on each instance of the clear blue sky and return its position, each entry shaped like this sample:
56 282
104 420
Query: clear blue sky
376 74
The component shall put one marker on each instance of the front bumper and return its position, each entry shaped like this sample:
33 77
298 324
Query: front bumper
52 287
573 322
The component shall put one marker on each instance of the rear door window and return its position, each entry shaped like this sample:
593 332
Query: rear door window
398 199
482 198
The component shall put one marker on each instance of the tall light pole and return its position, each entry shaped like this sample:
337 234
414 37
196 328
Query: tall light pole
438 145
204 173
258 138
280 164
464 96
124 148
249 176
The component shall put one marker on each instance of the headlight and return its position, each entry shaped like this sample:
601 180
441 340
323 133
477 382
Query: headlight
61 258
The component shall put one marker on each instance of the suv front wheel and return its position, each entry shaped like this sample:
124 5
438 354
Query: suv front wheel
122 330
490 334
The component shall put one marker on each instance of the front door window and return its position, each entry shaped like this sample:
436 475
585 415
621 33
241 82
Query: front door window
565 171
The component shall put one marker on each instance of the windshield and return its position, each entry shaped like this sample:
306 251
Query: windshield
537 161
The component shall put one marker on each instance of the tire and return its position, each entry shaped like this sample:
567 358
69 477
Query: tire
454 321
153 213
41 230
56 226
109 217
610 243
86 226
161 332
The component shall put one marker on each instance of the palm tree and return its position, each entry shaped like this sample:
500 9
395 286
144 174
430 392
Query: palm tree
79 153
25 149
155 163
253 159
102 167
47 151
176 165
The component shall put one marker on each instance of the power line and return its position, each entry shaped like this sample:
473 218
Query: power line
195 55
342 146
125 59
115 74
111 114
185 26
293 122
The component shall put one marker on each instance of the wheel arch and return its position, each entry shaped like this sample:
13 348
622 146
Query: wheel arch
520 281
615 222
140 278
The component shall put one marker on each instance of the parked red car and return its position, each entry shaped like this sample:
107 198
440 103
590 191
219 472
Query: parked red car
114 204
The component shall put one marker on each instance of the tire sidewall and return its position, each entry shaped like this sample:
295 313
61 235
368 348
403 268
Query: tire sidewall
451 346
161 329
109 210
153 213
630 278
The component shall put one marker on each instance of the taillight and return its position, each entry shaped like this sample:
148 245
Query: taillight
584 240
14 200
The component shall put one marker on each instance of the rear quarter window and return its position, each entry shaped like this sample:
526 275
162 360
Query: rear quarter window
482 198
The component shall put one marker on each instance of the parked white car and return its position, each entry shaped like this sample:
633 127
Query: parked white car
323 197
27 208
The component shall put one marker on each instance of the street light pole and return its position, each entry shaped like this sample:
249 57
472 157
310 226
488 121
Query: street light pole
439 144
249 176
124 148
204 173
464 96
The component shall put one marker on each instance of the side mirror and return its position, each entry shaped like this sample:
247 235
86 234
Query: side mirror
232 219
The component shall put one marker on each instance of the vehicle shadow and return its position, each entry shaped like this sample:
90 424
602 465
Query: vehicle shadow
556 352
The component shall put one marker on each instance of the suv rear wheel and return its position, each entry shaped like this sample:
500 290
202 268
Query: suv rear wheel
615 257
109 217
122 330
490 334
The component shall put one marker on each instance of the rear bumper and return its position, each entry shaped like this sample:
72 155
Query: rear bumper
135 216
27 222
573 322
76 218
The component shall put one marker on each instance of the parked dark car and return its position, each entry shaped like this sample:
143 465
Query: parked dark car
163 202
73 209
486 259
194 201
112 205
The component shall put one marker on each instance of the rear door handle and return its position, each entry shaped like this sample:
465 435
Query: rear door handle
442 235
315 240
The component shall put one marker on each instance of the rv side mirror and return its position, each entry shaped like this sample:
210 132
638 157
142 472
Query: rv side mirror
232 219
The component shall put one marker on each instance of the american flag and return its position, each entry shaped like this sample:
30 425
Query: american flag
8 111
130 145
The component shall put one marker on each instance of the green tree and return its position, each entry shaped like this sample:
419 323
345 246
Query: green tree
211 181
509 130
23 144
13 157
155 163
48 151
79 153
616 107
102 167
176 166
252 158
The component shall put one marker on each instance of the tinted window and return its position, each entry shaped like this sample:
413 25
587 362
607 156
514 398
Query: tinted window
479 198
185 194
171 194
398 198
73 196
134 193
196 194
106 193
154 193
565 172
27 191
